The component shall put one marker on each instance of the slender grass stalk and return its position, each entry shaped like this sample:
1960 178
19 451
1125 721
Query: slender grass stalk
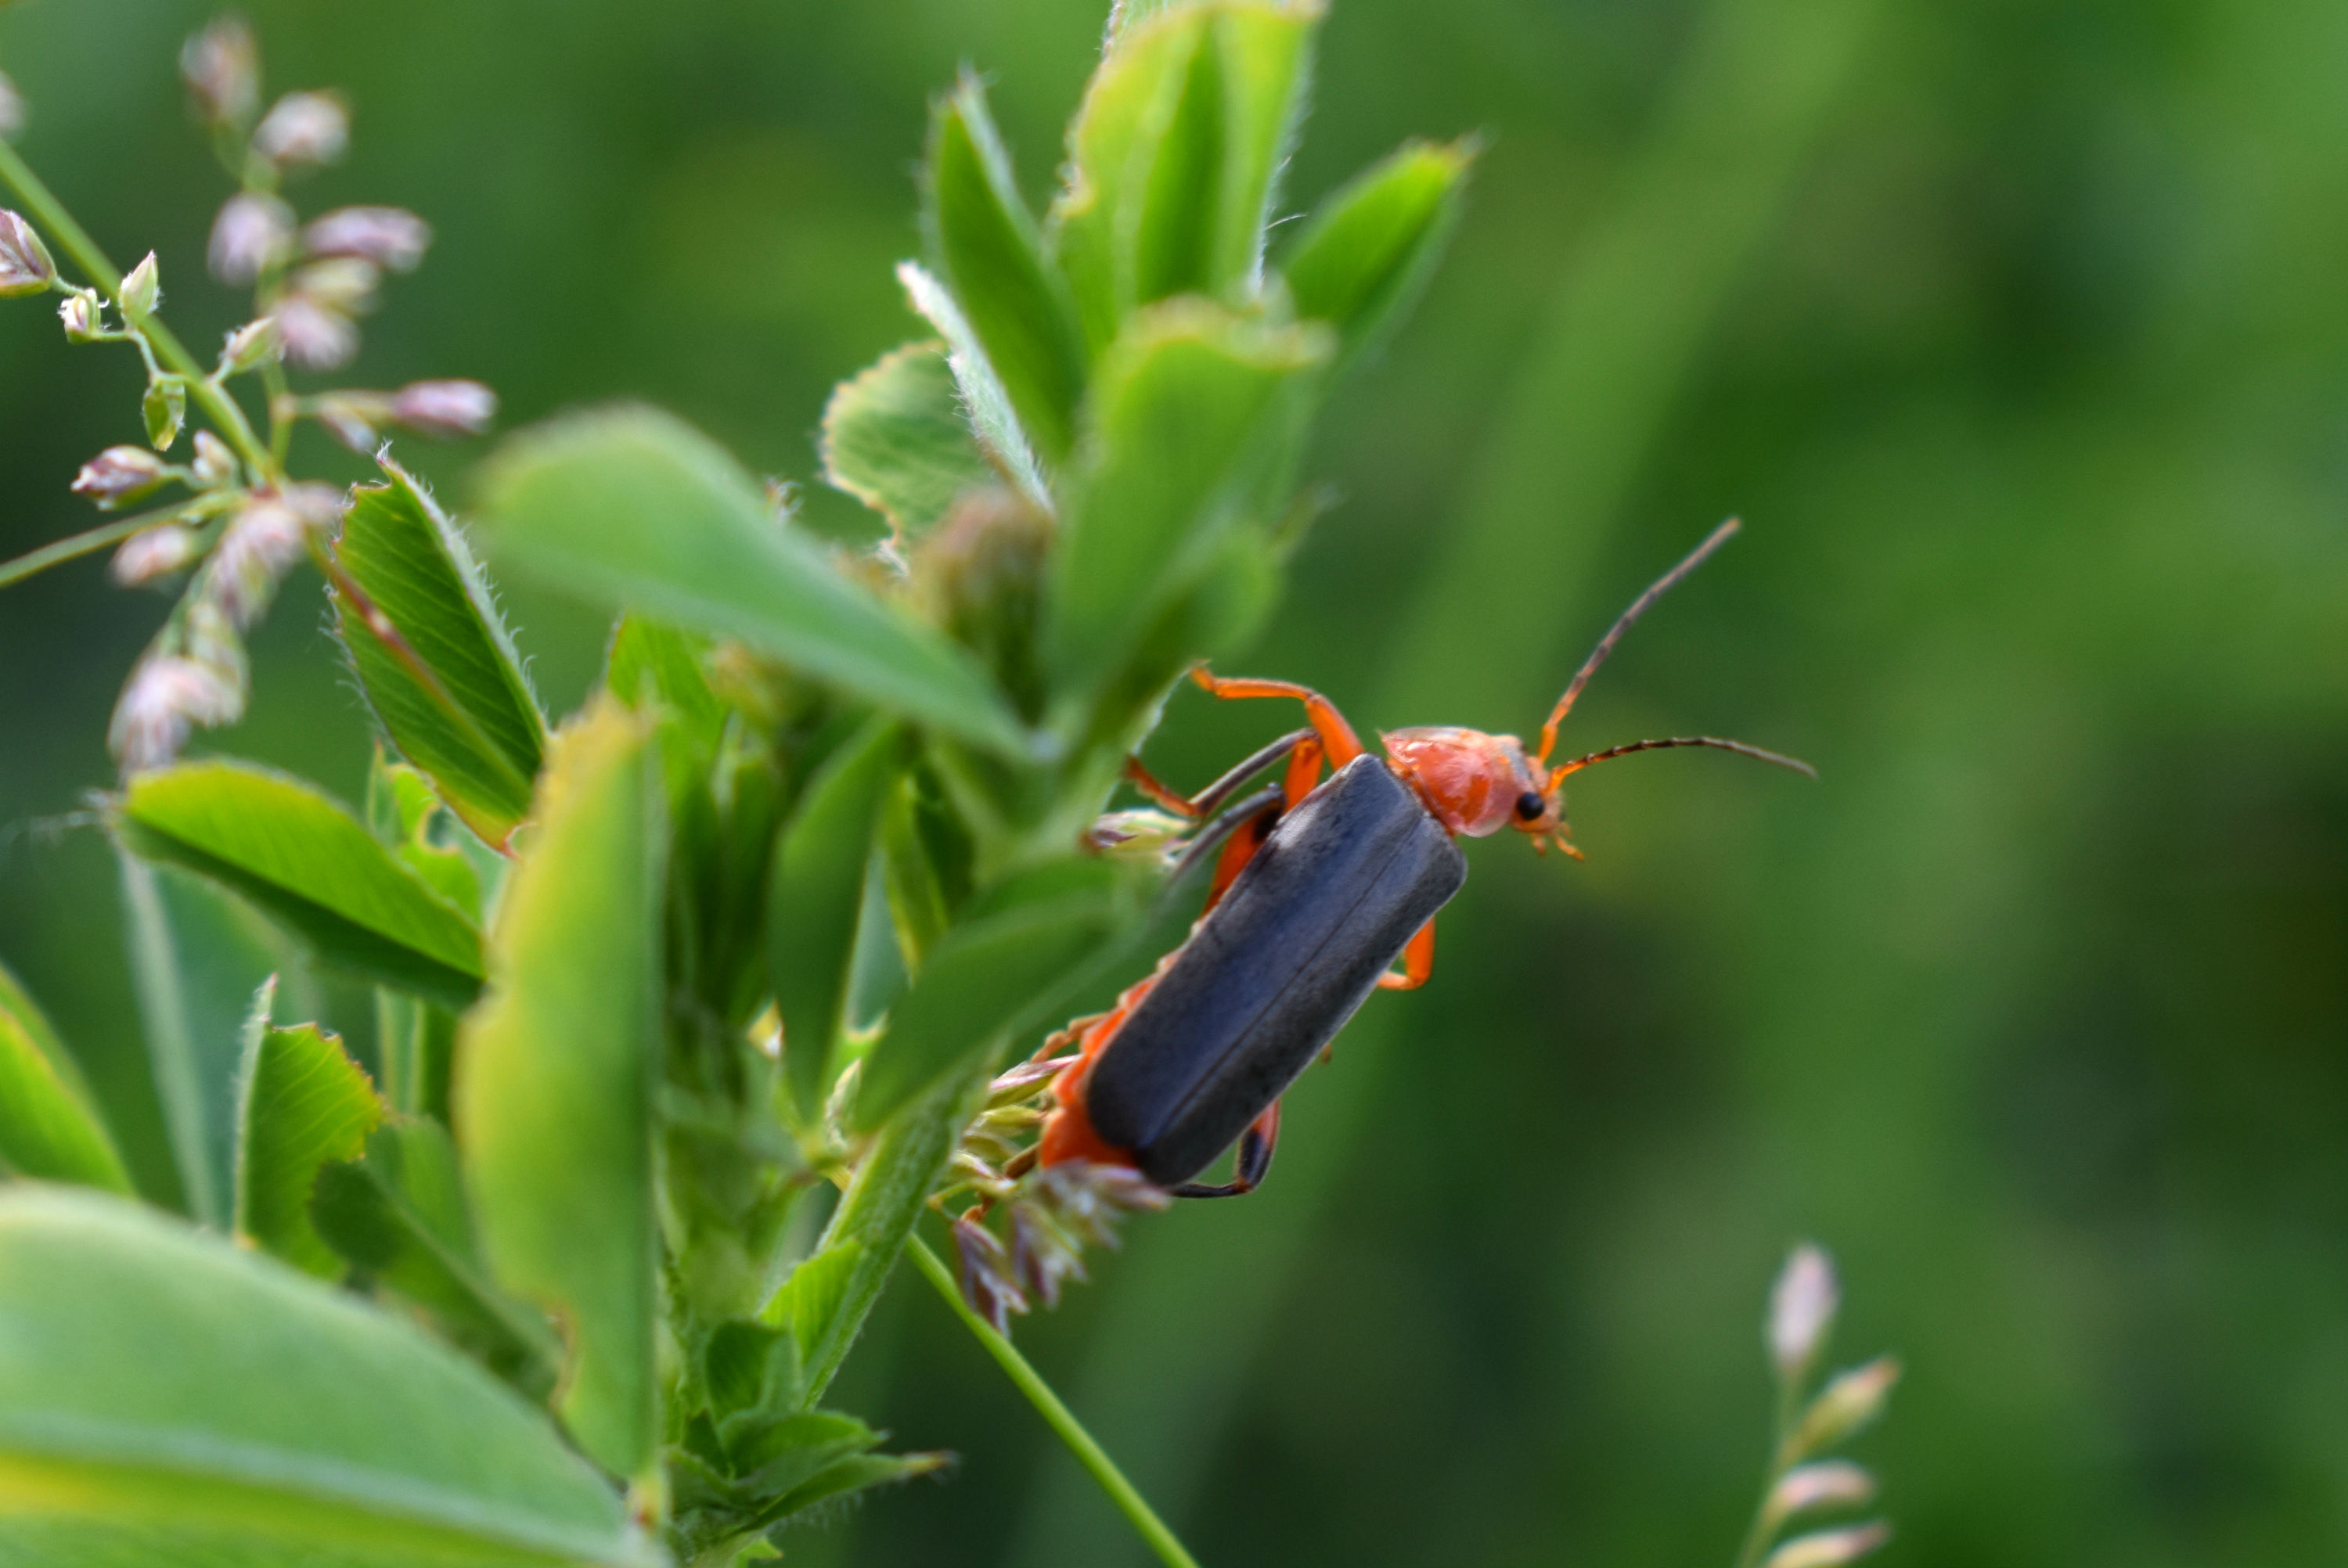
1057 1416
82 544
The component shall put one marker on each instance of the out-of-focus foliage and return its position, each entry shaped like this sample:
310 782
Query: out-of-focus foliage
2015 333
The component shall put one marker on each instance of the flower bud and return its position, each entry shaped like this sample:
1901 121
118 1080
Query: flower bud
118 474
165 695
251 346
142 289
25 264
351 417
80 313
248 237
1829 1548
215 464
1801 1310
387 236
1830 1483
12 108
342 283
304 127
222 65
166 410
444 408
261 541
158 552
1854 1398
986 1282
314 337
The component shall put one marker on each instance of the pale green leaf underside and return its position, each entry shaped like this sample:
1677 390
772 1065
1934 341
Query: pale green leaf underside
166 1398
635 509
554 1090
309 865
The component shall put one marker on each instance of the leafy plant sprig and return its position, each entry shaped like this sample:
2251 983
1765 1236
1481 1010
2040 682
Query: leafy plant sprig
766 917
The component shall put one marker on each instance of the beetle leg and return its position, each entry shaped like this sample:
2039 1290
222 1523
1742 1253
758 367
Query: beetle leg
1336 736
1248 1170
1417 962
1206 800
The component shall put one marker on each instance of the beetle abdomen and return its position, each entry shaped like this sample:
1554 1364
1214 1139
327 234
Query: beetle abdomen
1271 976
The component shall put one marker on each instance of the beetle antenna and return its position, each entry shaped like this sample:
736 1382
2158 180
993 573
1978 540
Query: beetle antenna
1558 773
1661 586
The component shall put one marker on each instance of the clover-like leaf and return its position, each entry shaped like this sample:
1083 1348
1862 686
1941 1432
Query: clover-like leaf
432 655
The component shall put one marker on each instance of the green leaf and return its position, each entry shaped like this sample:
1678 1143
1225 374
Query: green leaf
814 894
895 437
400 1213
554 1076
305 1104
307 861
413 595
1175 154
165 1398
633 508
982 397
1370 248
1265 54
811 1300
1003 970
1010 293
197 955
650 662
49 1127
1183 432
866 1233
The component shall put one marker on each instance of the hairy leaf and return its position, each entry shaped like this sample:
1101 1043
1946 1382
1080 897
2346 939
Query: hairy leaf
49 1127
305 1104
1370 248
166 1398
895 437
1175 155
1009 290
554 1090
1182 430
415 596
635 509
307 863
991 419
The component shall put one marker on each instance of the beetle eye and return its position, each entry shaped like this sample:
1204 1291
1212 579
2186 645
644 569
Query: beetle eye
1530 806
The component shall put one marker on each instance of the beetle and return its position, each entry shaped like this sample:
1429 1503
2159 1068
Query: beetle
1319 887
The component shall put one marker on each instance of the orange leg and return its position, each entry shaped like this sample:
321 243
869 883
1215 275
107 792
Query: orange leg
1337 741
1417 962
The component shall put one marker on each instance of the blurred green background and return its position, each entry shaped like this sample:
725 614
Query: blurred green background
2017 330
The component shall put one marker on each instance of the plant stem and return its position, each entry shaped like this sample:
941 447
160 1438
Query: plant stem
72 238
82 543
1758 1533
1057 1416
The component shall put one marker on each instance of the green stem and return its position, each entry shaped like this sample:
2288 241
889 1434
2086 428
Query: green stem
72 238
1057 1416
82 543
1758 1535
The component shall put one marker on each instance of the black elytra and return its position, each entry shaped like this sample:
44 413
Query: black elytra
1297 944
